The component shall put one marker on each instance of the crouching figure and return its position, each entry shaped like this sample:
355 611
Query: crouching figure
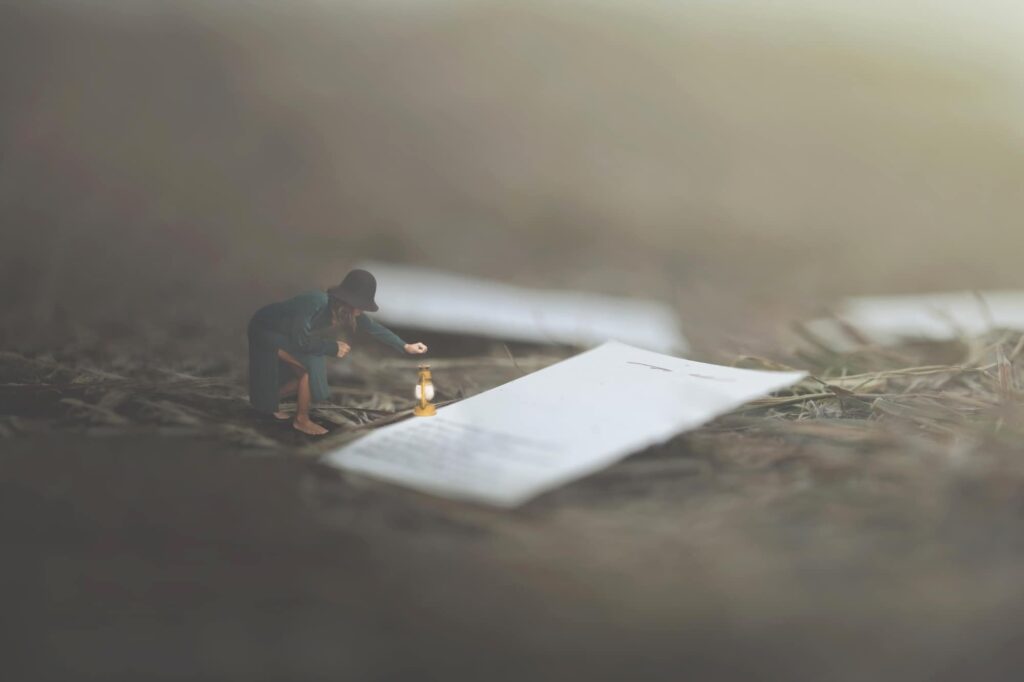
289 342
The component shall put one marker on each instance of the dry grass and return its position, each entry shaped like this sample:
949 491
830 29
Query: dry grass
879 397
980 374
973 393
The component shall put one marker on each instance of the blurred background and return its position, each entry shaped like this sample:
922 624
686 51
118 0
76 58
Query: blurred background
166 167
756 156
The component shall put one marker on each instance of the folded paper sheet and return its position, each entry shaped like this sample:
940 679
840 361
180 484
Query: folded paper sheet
432 300
510 443
887 320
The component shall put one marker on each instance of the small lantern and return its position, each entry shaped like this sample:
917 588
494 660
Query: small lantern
425 393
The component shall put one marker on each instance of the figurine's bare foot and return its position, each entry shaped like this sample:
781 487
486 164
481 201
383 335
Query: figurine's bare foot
282 416
308 427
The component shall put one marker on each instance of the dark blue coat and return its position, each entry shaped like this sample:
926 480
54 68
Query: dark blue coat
293 326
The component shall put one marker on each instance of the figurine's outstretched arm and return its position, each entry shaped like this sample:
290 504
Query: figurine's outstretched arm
380 332
388 337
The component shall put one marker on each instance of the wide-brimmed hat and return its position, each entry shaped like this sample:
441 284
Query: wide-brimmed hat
357 289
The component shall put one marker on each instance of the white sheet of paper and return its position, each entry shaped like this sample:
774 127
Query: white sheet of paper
438 301
509 444
887 320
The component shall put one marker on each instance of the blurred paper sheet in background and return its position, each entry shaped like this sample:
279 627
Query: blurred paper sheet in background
432 300
888 320
509 444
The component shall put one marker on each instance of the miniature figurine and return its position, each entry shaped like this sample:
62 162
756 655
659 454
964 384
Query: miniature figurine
289 341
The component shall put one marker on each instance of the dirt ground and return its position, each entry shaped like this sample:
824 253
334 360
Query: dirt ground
167 170
158 529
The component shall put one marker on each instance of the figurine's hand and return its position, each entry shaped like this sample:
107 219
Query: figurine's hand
343 349
415 348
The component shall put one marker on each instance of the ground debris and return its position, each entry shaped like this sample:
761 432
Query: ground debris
971 403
